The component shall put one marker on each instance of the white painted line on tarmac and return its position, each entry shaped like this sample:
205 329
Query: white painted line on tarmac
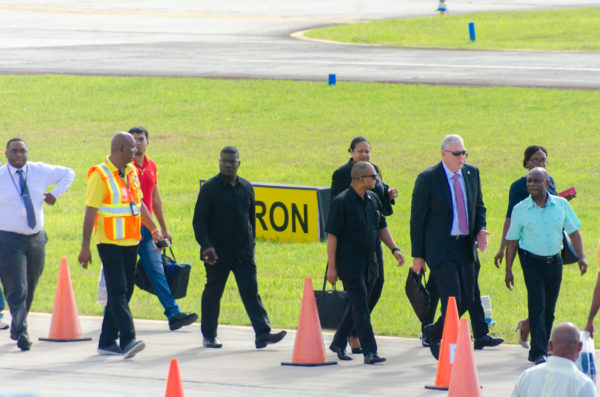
401 64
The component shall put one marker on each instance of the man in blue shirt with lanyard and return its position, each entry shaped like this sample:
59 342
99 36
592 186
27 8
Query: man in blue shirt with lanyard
23 188
536 227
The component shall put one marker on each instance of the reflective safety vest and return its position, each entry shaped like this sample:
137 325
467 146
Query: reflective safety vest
119 221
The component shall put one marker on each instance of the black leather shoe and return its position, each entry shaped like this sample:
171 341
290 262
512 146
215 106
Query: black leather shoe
268 339
539 360
486 340
424 340
373 358
341 352
213 343
434 344
182 319
23 342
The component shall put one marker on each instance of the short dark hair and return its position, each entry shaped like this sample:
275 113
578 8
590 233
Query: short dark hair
530 151
13 140
230 150
139 130
356 141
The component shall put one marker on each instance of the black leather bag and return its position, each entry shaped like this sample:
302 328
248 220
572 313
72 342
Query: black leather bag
178 276
417 294
568 253
331 304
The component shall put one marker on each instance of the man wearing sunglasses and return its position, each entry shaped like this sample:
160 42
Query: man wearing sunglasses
355 220
447 220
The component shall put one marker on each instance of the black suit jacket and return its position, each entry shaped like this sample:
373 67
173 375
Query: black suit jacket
431 212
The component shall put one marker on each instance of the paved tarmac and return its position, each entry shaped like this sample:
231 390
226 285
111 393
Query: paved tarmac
251 39
52 369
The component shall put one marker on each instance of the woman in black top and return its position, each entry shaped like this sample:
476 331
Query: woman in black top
360 150
534 156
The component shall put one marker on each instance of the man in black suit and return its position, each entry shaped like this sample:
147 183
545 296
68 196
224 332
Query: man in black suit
447 220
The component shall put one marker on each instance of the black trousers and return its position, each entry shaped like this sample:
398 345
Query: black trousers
542 280
376 288
455 276
119 271
245 277
22 260
478 323
357 315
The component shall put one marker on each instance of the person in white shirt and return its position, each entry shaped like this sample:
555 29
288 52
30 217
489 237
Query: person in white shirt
558 376
23 188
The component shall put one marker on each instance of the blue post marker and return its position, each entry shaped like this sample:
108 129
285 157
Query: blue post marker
472 31
442 7
332 79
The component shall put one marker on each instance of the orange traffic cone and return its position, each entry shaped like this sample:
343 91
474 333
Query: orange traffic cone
309 349
464 380
174 385
448 347
64 326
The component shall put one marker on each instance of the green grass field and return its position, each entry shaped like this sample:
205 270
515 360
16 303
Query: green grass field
298 133
559 30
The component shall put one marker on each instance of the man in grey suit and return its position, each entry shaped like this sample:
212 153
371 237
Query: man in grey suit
447 220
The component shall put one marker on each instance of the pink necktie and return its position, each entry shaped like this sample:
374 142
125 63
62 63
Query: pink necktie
460 206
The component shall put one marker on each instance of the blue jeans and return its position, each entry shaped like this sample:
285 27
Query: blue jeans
153 266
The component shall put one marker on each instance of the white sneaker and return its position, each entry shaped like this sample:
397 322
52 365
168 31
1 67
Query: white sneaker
3 325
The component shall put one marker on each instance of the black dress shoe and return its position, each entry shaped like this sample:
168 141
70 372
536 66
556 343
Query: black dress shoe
23 342
424 340
213 343
486 340
434 344
341 352
182 319
268 339
373 358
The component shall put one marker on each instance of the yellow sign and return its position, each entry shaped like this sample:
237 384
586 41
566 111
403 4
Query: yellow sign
286 213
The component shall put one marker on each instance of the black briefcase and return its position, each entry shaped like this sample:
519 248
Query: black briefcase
568 253
331 304
178 276
417 294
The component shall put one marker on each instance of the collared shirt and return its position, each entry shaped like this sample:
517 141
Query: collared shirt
13 216
225 219
96 192
557 377
148 180
539 230
518 192
355 222
455 231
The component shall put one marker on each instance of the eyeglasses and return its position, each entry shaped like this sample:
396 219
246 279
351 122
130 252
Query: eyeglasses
538 161
374 176
458 153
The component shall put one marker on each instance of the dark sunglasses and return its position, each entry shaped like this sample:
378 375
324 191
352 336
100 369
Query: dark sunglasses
374 176
458 152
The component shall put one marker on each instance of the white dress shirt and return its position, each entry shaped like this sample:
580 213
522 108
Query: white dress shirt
557 377
13 217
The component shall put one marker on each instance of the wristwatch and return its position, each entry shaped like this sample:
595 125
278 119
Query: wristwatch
395 249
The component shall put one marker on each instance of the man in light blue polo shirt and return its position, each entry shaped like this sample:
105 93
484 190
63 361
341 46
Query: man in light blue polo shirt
536 226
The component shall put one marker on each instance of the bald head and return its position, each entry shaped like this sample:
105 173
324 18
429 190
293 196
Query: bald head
565 341
360 169
122 149
540 171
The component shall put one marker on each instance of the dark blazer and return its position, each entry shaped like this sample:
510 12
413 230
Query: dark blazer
342 178
431 212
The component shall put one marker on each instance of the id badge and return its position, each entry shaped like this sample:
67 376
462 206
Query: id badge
135 209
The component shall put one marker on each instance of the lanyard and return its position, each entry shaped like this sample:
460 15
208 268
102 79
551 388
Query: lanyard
12 178
126 182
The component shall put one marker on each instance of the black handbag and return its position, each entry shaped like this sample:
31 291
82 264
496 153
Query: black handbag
177 274
568 253
417 294
331 305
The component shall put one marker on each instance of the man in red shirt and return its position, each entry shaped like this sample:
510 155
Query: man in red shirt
150 259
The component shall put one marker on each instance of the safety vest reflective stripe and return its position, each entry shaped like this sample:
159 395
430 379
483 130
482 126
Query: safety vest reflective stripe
113 189
115 210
